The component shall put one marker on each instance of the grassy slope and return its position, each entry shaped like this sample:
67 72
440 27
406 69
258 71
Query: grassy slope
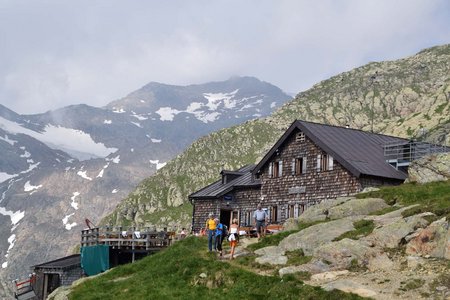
406 94
175 274
432 197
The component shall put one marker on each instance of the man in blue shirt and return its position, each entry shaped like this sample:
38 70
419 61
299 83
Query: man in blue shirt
260 217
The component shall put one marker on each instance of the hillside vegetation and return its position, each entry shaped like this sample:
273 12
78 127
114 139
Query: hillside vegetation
405 95
186 270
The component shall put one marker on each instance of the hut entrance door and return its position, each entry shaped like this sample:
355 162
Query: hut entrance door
51 283
225 217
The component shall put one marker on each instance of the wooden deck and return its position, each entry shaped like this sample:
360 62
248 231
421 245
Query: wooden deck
127 239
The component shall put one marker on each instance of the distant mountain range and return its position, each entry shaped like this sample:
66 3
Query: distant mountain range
61 167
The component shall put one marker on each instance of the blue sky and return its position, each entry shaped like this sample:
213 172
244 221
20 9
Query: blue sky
55 53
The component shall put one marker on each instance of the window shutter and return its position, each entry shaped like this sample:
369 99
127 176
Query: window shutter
293 167
304 165
280 168
318 162
270 170
296 211
330 162
279 214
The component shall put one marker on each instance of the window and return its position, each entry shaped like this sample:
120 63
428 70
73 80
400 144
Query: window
274 214
248 218
325 162
291 211
300 137
299 166
276 169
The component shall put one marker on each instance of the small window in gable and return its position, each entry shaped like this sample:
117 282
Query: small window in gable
300 137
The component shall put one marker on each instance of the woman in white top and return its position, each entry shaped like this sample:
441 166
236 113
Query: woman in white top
233 237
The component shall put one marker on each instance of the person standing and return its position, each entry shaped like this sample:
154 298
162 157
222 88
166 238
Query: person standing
233 237
219 236
211 228
260 217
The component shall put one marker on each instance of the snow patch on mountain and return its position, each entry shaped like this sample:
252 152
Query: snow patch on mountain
139 117
73 203
208 112
107 122
83 174
66 224
100 174
156 140
115 160
15 216
6 176
118 110
72 141
167 113
7 139
28 187
114 191
136 124
158 164
215 99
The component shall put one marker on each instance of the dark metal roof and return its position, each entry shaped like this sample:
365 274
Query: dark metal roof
64 262
218 189
358 151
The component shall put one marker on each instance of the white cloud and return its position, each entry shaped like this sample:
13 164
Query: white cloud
86 55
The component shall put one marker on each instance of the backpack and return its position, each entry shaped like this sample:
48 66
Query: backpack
224 231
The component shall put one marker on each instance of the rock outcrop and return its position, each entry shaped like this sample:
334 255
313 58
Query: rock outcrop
431 168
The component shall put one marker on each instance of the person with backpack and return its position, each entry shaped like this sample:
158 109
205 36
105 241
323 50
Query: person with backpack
219 236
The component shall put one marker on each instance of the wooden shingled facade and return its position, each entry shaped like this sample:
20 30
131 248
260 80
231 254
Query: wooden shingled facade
309 164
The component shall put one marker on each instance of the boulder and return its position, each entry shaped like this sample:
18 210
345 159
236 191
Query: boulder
327 276
317 235
272 255
290 224
356 207
380 262
430 168
269 251
391 235
313 267
349 286
272 260
433 240
340 255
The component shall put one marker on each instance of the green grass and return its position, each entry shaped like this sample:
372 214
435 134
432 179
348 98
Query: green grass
297 257
432 197
271 240
175 274
362 228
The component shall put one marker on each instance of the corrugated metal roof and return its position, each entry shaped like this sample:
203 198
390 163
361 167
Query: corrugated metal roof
358 151
63 262
218 189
